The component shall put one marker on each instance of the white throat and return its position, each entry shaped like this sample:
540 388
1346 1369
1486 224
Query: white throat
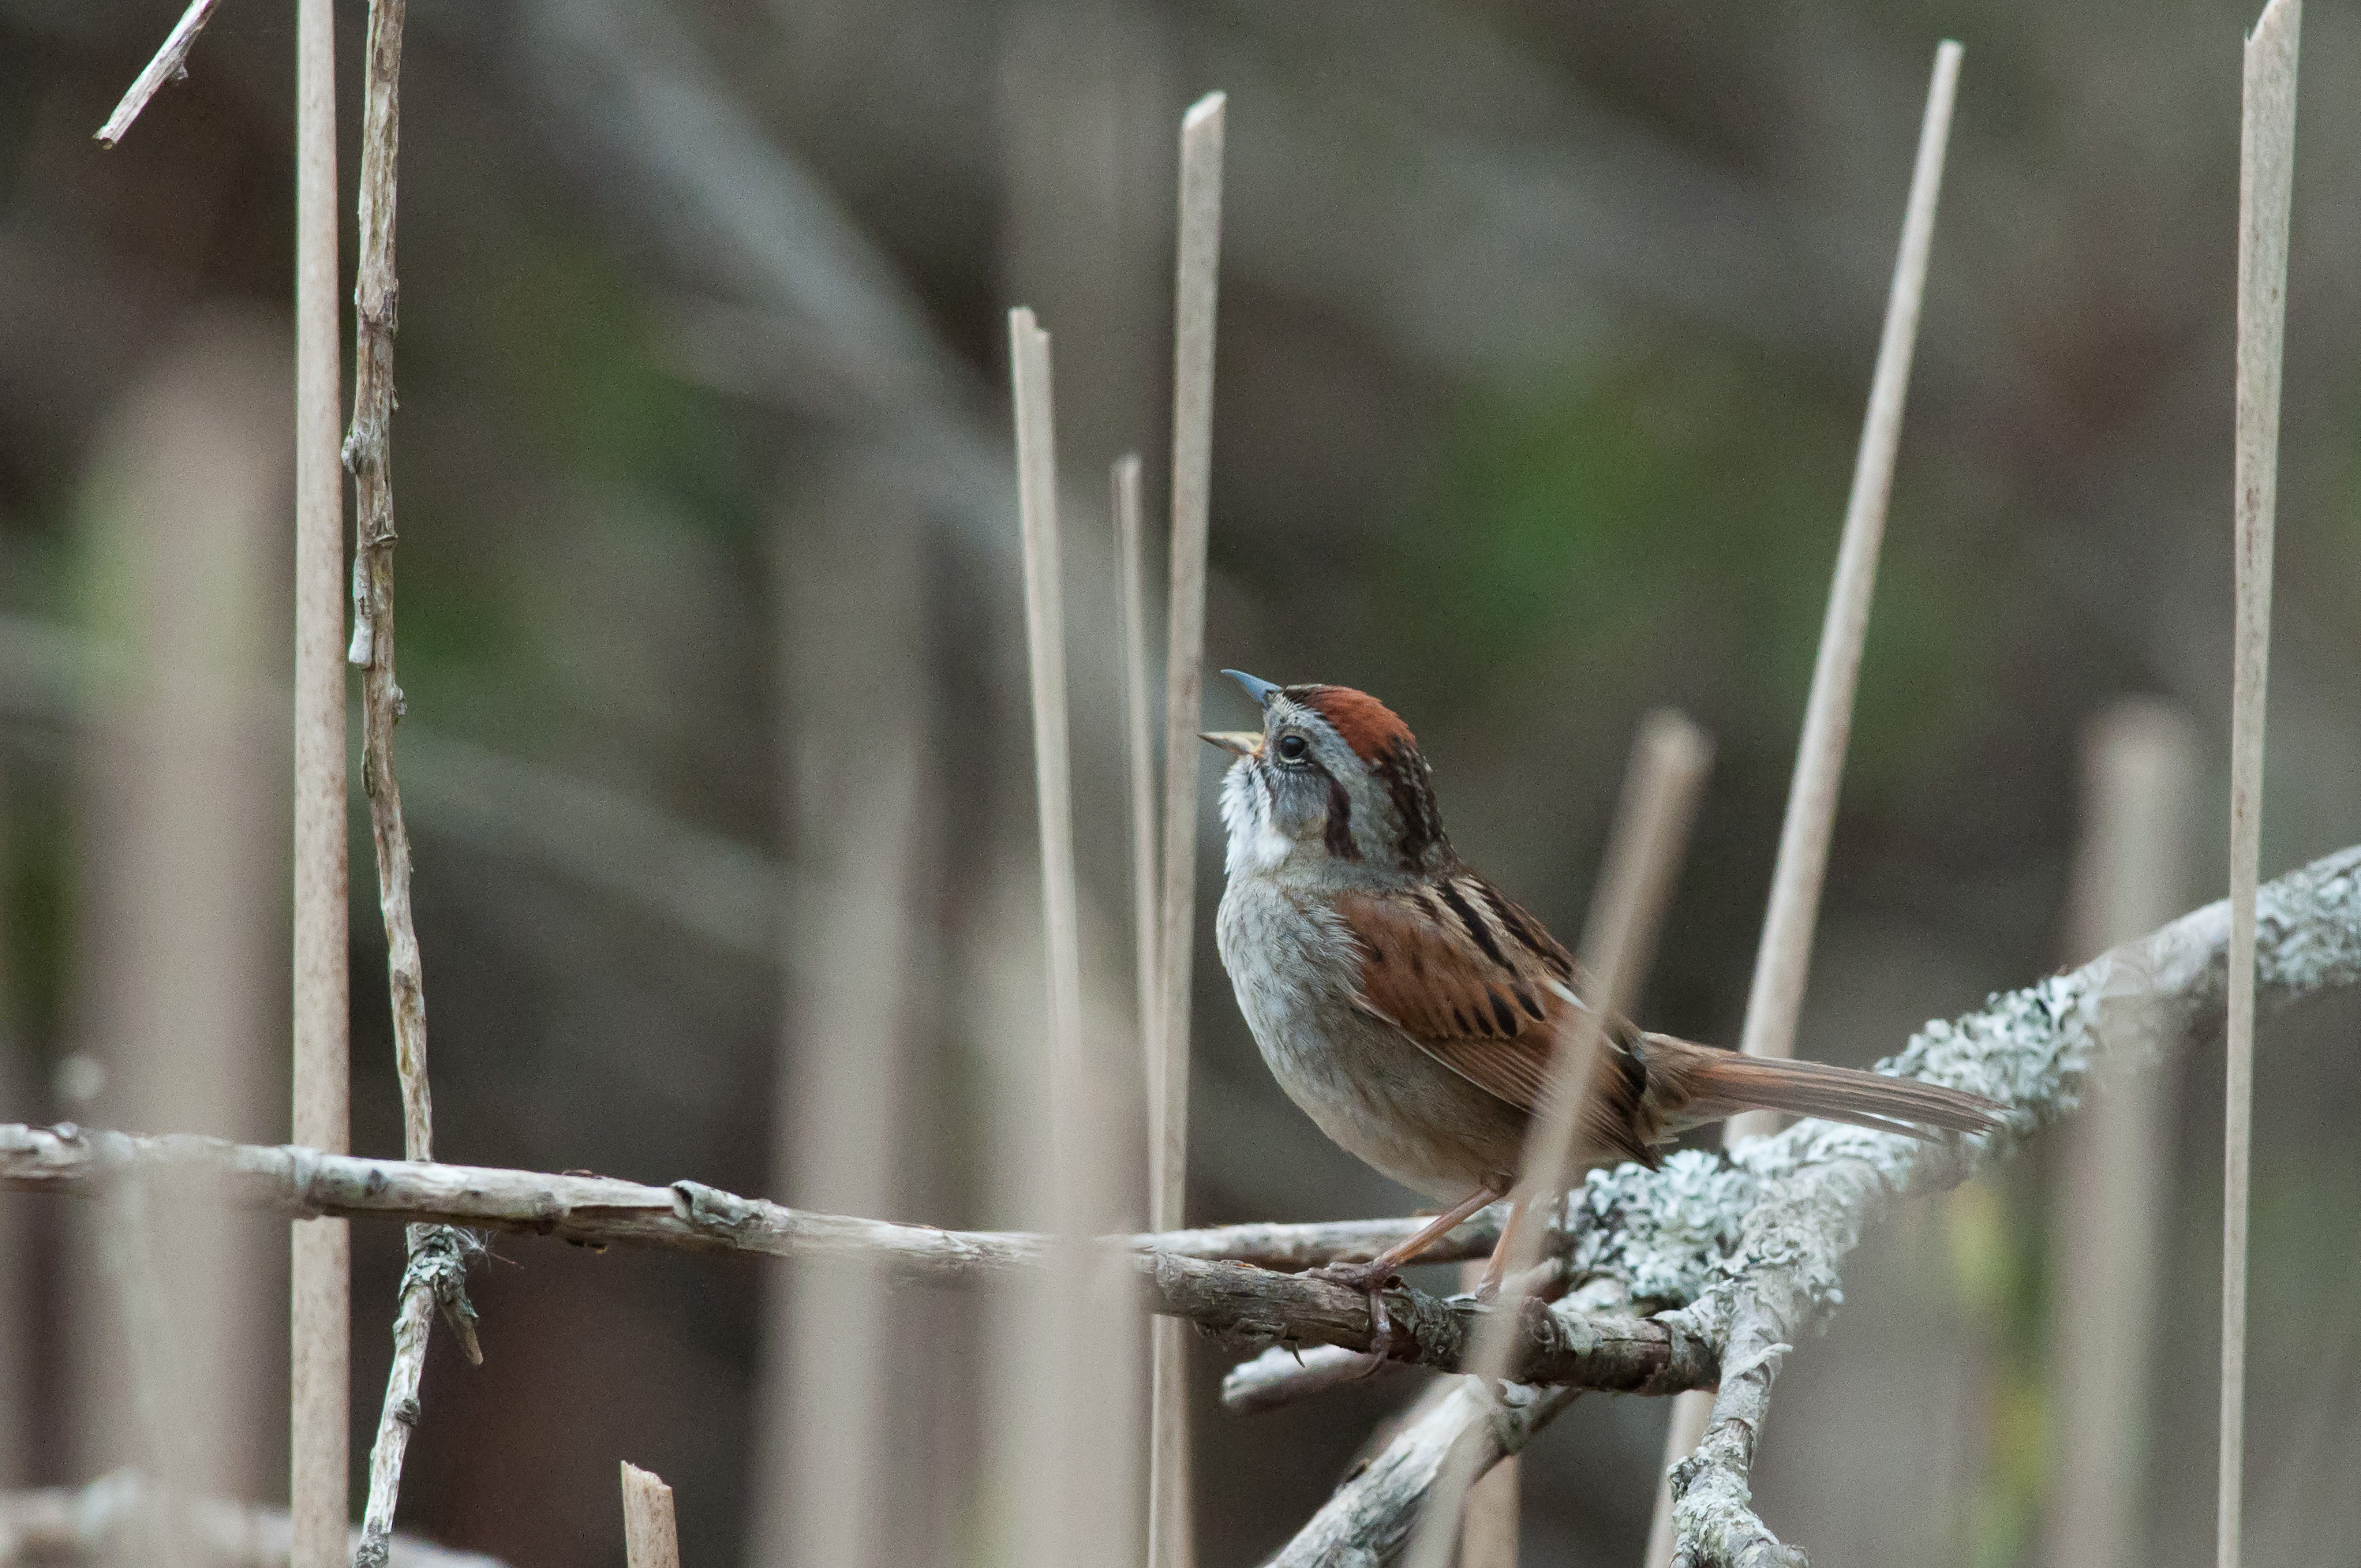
1257 847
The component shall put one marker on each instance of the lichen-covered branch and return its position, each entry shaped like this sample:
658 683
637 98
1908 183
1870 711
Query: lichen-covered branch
1752 1241
67 1527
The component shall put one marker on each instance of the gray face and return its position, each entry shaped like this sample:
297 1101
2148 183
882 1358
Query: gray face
1302 798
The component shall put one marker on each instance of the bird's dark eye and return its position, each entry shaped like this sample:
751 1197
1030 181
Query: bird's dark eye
1291 748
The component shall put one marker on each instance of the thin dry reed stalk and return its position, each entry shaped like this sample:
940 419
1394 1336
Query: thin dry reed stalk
320 1293
2139 765
1669 758
2266 162
1784 961
1171 1542
650 1538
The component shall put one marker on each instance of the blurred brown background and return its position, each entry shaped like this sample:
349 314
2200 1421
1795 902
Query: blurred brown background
1545 335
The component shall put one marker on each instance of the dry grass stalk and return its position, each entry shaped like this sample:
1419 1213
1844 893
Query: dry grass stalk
320 1297
1487 1525
438 1256
1784 961
181 844
2139 767
828 1430
169 64
1140 746
1073 1348
2266 162
1171 1536
1669 758
650 1538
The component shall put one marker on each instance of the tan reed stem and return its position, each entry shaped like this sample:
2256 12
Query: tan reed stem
650 1538
1171 1533
1784 961
1140 747
1080 1411
2139 767
320 1295
1669 758
2266 163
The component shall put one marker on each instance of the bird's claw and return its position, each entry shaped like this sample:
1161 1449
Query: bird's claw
1370 1280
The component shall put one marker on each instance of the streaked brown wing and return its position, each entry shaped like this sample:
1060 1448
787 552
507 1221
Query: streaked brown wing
1483 988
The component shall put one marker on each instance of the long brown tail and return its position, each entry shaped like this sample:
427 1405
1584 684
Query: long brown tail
1695 1084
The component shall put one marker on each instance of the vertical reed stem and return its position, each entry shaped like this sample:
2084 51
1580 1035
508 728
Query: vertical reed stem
2266 157
1784 961
320 1304
1171 1542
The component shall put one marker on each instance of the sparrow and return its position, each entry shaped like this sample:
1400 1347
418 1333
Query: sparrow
1411 1010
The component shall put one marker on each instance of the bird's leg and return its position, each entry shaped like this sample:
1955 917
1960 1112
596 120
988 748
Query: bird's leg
1370 1277
1496 1267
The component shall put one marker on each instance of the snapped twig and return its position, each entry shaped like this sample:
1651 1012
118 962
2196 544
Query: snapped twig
169 64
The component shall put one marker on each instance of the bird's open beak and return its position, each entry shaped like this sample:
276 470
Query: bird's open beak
1244 742
1262 691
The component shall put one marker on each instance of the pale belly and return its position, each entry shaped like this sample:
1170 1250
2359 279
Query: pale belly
1367 1087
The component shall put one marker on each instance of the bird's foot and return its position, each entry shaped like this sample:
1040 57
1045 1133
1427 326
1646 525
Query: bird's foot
1370 1280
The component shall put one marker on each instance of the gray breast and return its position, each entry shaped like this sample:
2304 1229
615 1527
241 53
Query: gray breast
1367 1085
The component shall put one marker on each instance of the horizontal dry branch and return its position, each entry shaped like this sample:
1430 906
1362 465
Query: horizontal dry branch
604 1211
1214 1277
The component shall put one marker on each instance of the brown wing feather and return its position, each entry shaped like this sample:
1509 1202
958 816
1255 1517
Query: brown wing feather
1482 987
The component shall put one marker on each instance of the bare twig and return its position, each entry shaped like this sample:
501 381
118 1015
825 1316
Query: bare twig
64 1527
320 1306
2139 768
2266 157
1783 962
650 1538
436 1274
169 64
1669 759
855 819
1171 1533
